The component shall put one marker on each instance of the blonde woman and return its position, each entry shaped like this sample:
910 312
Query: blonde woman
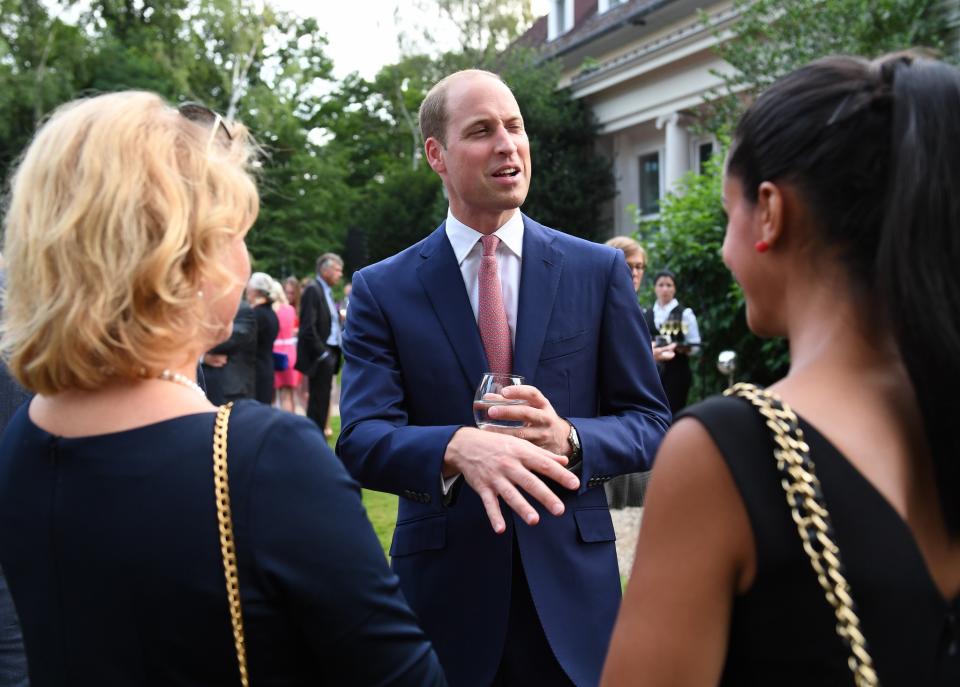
125 244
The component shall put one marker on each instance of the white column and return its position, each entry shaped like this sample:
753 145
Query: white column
627 179
676 161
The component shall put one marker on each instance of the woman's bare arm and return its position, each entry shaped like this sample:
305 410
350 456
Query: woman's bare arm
694 553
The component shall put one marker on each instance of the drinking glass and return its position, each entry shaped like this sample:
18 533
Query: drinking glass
489 394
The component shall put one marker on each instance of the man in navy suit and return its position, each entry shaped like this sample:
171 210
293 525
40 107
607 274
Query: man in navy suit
530 597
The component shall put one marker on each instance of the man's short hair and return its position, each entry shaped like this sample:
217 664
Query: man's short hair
326 260
433 109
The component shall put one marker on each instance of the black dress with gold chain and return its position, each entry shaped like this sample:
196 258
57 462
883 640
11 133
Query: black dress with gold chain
782 629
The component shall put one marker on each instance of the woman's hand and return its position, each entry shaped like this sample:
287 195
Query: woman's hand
664 353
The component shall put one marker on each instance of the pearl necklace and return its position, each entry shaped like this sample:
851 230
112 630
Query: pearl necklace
182 380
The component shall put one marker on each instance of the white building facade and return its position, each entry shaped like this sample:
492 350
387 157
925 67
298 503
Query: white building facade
646 67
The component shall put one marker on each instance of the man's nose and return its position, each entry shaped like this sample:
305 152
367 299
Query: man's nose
504 142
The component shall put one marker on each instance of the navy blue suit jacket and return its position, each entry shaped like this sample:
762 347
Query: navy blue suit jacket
413 358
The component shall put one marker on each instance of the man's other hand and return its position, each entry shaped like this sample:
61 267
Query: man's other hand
496 465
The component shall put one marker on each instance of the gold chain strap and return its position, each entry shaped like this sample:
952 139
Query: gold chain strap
228 550
799 480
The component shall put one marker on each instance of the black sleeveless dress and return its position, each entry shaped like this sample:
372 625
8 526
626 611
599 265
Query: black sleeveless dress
783 630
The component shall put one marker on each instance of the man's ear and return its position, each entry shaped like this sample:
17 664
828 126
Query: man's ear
434 151
771 213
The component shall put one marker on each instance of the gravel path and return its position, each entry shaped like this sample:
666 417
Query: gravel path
626 523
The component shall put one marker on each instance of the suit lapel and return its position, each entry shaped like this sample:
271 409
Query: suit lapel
539 278
442 281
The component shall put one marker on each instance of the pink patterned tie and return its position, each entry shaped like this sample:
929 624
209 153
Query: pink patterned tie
491 315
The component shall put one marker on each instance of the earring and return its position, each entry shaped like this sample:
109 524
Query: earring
761 246
199 294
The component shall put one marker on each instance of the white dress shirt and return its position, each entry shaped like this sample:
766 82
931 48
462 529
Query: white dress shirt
336 336
468 250
689 320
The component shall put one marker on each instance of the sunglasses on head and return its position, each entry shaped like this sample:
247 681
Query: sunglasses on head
201 114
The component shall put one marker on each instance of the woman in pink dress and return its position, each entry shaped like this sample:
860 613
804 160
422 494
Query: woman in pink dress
285 381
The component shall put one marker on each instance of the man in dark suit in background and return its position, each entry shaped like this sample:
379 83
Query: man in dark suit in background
229 369
504 603
318 340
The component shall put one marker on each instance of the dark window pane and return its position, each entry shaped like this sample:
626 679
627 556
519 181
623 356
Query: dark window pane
704 153
650 184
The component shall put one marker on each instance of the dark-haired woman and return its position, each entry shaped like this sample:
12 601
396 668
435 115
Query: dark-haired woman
842 189
667 314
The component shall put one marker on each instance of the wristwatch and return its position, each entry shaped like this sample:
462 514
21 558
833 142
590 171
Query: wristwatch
574 440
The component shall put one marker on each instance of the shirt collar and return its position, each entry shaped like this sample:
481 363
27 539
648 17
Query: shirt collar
668 307
462 238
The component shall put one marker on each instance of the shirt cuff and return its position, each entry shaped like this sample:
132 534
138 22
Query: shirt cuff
447 482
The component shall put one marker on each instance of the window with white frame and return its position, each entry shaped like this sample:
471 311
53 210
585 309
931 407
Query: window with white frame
605 5
560 19
650 183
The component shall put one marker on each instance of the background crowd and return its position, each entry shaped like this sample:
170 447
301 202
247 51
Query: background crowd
268 359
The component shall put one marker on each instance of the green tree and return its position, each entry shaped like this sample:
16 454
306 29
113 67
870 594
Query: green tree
399 210
485 27
773 37
42 64
374 129
236 56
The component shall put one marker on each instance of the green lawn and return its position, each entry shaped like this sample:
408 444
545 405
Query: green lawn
381 507
382 511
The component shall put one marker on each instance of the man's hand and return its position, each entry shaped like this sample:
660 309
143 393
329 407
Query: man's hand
499 465
541 424
214 359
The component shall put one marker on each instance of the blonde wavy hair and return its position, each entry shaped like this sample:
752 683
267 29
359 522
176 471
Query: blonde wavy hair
628 245
117 216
